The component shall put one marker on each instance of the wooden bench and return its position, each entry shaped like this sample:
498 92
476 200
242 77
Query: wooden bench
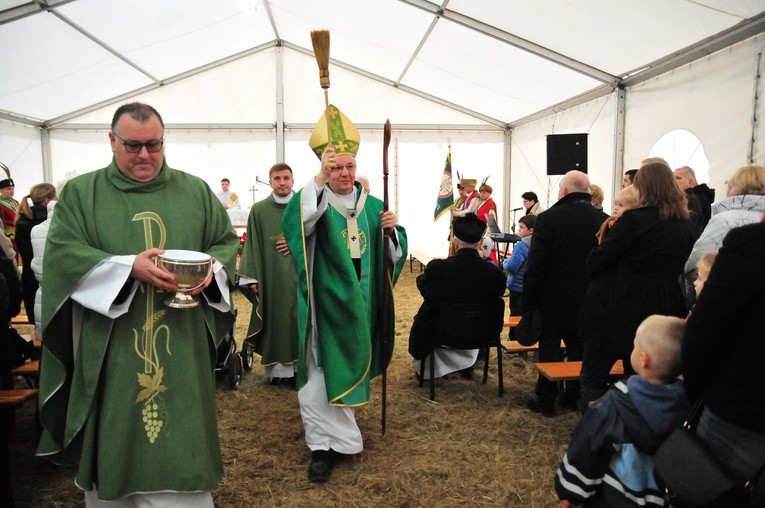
513 346
21 319
13 398
420 256
512 321
570 371
30 371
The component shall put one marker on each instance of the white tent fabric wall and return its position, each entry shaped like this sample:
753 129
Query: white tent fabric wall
713 98
529 150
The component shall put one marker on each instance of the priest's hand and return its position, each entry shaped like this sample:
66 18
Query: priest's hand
281 246
388 220
146 270
327 165
254 288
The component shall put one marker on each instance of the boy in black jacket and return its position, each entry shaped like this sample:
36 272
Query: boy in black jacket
609 462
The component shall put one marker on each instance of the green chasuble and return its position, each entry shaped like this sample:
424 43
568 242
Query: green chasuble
348 311
273 322
133 401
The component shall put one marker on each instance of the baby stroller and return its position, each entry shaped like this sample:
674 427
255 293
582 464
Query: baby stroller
232 363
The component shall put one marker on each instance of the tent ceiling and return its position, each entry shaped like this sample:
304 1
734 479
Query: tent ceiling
500 60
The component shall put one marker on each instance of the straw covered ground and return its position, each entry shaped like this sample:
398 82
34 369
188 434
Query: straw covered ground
470 448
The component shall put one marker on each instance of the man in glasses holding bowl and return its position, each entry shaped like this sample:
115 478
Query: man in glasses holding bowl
127 388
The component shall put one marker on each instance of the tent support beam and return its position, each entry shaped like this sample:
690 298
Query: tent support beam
104 45
619 132
513 40
279 84
46 162
413 91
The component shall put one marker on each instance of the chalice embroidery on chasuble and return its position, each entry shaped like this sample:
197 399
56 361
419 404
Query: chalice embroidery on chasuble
153 410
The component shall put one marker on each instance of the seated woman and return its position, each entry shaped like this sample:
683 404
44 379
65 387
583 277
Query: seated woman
531 203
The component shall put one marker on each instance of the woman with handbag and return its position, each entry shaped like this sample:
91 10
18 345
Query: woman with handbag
723 353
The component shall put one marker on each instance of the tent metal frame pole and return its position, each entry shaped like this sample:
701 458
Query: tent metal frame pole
507 162
755 104
619 135
46 160
279 84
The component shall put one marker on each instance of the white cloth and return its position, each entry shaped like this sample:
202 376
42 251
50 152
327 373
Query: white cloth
38 235
326 426
282 370
225 199
731 212
155 500
447 361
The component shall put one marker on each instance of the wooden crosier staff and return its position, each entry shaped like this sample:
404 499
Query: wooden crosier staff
320 40
386 278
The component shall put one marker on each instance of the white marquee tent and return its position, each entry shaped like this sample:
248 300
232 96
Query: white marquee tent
237 85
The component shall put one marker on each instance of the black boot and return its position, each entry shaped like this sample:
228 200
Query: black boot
320 468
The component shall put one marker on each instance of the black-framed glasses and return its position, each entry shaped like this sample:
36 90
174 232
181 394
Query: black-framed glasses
152 146
350 167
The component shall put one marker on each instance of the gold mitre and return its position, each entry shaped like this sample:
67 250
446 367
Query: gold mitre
345 137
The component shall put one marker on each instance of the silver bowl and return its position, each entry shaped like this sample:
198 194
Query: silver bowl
190 269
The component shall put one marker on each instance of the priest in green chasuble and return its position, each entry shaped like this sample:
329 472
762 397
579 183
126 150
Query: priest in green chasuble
334 231
127 384
267 277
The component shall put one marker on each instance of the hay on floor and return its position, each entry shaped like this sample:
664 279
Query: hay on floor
470 448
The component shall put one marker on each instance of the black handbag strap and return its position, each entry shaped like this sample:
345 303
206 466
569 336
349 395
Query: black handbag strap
694 415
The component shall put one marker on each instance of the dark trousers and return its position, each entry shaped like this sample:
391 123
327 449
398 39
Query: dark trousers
596 365
550 351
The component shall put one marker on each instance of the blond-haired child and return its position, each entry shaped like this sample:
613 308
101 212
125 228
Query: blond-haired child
609 461
624 200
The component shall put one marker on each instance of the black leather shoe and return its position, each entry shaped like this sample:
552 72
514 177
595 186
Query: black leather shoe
320 468
536 407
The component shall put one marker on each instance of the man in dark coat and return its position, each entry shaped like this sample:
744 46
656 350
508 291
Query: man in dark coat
466 277
555 283
700 197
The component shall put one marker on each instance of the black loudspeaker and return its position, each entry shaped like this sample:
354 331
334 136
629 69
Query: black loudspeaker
566 152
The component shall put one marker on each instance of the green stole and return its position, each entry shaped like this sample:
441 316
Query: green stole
273 321
134 406
348 310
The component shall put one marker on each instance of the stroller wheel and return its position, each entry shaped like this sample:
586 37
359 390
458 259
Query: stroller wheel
234 365
247 359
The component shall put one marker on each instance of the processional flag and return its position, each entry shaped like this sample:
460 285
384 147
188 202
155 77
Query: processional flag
445 193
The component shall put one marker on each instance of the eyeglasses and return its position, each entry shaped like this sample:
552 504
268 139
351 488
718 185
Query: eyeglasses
350 166
152 146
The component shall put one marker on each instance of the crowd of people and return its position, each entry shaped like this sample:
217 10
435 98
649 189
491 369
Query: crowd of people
671 284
